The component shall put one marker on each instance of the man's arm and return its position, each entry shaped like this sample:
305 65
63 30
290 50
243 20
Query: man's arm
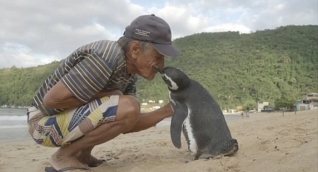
60 97
79 86
150 119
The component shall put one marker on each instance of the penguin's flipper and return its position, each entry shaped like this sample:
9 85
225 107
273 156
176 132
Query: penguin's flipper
180 114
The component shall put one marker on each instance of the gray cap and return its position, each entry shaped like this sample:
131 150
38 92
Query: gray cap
155 30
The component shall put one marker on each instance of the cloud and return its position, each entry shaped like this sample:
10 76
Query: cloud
13 54
37 32
181 19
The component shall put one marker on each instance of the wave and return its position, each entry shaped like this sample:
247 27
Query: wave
13 118
13 126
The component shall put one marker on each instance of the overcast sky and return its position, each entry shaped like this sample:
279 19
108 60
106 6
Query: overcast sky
38 32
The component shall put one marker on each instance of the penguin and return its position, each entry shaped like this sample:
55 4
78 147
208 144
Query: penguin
198 116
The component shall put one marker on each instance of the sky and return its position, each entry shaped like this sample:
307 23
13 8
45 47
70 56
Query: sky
38 32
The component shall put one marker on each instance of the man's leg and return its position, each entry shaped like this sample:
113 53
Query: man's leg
127 115
145 121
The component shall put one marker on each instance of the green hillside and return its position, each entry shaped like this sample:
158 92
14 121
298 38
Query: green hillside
237 69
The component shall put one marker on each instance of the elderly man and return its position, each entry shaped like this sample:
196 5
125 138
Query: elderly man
90 98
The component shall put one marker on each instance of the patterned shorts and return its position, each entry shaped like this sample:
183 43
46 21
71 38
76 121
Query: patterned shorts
62 129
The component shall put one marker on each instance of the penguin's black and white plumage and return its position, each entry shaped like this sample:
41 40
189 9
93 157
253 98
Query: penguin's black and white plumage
198 116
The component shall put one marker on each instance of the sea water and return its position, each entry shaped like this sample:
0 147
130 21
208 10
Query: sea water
13 124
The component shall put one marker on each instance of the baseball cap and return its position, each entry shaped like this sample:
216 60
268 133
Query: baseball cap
155 30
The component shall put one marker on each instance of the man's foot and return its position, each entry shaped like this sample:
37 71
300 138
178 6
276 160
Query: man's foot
60 161
88 159
96 162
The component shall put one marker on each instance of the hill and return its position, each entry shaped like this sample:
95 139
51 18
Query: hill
237 69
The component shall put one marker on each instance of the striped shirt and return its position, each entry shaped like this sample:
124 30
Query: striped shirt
92 68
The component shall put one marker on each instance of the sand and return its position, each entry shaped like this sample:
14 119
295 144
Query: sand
268 142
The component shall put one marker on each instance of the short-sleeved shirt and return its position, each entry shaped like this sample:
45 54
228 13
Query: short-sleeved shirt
92 68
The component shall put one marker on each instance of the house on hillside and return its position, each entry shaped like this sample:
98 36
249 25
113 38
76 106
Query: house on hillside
311 99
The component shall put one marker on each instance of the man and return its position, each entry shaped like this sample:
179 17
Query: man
89 99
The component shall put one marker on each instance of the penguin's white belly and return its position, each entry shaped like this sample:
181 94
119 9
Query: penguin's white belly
192 142
174 103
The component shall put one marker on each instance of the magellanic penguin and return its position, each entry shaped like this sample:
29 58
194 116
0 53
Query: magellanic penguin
198 115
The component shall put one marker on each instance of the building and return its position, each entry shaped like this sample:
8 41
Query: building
261 105
311 99
302 106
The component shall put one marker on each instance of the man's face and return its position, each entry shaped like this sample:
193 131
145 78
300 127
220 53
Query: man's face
146 60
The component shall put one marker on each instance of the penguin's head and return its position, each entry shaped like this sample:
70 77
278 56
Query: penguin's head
174 78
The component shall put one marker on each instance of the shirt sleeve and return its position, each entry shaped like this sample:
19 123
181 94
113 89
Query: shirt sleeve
88 77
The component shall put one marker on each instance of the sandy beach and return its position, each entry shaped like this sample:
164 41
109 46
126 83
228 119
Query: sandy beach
268 142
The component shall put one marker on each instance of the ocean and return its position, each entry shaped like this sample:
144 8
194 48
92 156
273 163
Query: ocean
13 124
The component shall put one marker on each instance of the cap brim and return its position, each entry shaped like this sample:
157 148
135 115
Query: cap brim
167 50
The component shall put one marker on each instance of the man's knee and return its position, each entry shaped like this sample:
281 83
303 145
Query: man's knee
128 110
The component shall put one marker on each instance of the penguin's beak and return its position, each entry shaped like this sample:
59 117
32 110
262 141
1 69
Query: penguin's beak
158 69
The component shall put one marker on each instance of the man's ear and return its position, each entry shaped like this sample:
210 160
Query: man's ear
135 49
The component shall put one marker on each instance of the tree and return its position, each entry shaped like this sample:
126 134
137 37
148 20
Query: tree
283 104
249 105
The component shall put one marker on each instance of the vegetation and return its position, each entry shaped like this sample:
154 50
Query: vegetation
237 69
284 103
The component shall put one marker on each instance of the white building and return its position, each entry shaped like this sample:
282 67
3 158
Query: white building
261 105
